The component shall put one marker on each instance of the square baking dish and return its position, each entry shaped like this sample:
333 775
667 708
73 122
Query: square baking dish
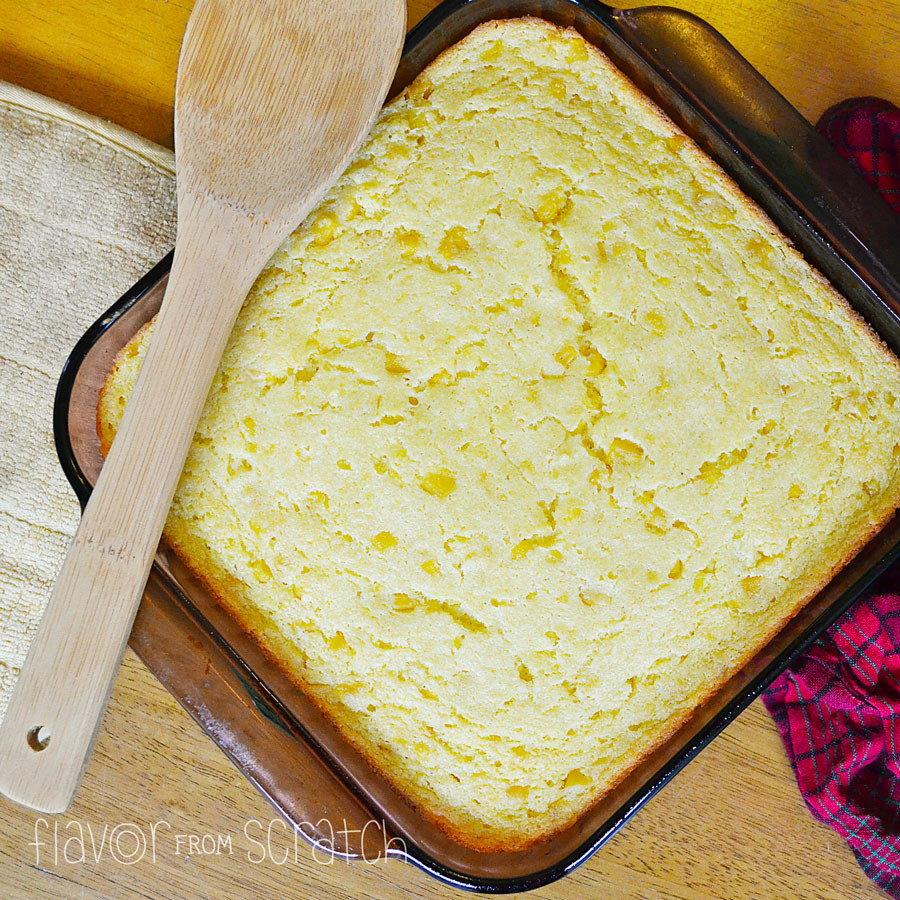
270 730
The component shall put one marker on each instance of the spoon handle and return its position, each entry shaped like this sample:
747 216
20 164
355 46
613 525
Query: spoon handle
54 715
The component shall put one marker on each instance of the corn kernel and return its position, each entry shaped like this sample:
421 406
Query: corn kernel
261 570
558 88
417 118
626 446
384 540
410 241
439 484
343 464
389 420
398 151
492 53
404 603
595 361
381 466
551 206
242 466
431 567
526 545
394 364
320 497
306 373
338 642
324 228
566 356
655 321
676 570
454 242
593 397
795 491
577 778
577 50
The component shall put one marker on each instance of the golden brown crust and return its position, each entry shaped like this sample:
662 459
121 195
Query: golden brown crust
227 590
196 558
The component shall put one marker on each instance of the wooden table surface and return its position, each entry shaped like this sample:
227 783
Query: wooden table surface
731 826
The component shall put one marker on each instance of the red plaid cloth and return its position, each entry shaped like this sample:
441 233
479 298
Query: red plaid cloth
838 707
866 133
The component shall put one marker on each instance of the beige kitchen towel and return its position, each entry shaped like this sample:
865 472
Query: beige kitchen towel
85 209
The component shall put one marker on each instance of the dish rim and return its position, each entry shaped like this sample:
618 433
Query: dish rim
612 20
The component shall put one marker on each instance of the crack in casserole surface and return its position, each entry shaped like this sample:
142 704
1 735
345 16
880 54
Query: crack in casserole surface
528 437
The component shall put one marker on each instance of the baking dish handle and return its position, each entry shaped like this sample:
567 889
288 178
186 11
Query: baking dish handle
773 138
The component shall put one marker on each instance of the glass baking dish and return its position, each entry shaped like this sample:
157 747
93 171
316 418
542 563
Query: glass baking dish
273 734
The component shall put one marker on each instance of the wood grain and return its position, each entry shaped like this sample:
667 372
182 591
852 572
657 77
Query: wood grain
731 826
117 58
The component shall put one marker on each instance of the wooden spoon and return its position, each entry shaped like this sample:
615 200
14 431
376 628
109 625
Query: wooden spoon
273 98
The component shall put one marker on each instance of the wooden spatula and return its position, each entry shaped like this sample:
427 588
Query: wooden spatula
273 98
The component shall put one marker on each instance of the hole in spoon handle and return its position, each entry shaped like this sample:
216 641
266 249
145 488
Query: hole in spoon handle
38 738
